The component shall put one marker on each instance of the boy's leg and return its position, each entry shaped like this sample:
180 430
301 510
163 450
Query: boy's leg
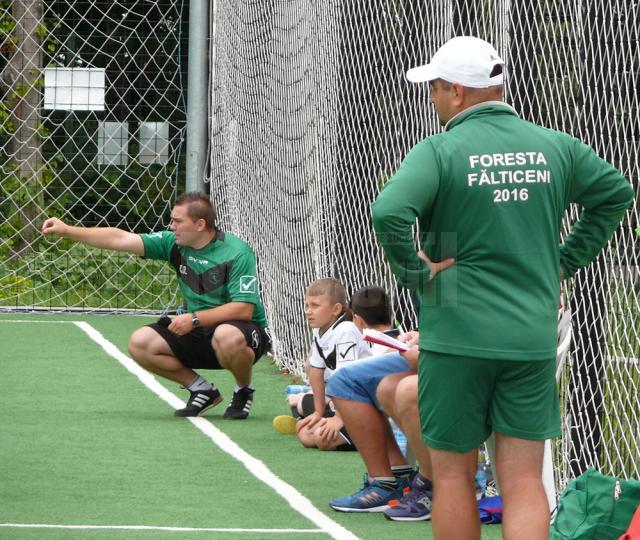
386 392
406 399
519 469
307 438
339 442
353 390
293 401
398 396
306 405
367 429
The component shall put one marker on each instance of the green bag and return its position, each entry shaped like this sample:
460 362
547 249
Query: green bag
595 507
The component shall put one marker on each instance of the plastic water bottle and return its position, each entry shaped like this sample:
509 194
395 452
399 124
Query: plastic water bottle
296 389
400 437
481 479
484 476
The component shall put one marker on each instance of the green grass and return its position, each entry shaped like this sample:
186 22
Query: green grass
84 442
86 278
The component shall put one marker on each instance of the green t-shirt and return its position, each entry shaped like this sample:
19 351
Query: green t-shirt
491 191
221 272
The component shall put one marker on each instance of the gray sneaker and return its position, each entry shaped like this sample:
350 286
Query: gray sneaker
416 504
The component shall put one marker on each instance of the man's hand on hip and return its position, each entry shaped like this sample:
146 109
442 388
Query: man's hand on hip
436 267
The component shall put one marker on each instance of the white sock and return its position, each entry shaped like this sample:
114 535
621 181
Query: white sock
200 384
238 387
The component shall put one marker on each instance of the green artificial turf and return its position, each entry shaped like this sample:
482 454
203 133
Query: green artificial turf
84 442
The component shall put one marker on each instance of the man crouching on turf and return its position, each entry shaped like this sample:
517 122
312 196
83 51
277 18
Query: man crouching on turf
216 271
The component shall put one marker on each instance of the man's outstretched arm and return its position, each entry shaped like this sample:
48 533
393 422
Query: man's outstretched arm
100 237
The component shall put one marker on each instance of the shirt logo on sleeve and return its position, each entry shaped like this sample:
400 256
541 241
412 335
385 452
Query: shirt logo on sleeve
248 284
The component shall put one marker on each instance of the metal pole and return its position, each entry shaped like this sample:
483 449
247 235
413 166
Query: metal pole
197 82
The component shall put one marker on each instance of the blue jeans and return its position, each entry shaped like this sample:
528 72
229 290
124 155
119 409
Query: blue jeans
359 380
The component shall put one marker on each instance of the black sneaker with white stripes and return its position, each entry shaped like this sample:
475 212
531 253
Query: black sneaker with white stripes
240 404
200 401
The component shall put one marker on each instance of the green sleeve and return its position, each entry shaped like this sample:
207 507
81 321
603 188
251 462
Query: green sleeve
605 196
243 282
408 196
158 245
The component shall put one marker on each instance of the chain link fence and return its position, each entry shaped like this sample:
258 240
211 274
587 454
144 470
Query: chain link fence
93 122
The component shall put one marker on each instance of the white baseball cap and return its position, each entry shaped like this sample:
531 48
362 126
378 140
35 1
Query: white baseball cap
469 61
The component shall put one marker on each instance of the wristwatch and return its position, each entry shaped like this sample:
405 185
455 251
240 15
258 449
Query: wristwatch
194 320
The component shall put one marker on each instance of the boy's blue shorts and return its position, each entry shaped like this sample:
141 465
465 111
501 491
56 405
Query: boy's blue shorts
359 380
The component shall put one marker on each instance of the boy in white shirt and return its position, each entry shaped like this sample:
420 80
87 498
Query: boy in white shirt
336 342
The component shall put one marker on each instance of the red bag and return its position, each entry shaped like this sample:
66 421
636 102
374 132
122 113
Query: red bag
633 533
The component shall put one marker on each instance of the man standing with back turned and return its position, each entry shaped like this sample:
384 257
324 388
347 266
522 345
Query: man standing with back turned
216 271
489 194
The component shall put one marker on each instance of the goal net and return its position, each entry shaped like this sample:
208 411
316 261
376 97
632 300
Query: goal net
311 114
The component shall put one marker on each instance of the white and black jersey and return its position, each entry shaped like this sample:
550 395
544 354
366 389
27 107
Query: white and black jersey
341 342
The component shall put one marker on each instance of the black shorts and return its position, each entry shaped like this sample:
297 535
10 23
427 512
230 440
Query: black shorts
194 349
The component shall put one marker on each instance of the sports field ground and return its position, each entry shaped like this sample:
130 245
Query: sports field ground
89 448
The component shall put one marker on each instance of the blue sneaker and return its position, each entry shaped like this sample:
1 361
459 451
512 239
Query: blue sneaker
371 498
415 505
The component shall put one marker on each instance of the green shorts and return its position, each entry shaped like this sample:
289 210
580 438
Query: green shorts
463 399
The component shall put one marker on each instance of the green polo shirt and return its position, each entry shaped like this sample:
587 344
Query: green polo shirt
491 191
223 271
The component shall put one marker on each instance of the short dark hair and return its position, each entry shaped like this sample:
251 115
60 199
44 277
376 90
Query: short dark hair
372 304
199 206
331 288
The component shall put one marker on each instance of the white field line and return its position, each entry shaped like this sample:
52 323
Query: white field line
153 528
295 499
35 322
